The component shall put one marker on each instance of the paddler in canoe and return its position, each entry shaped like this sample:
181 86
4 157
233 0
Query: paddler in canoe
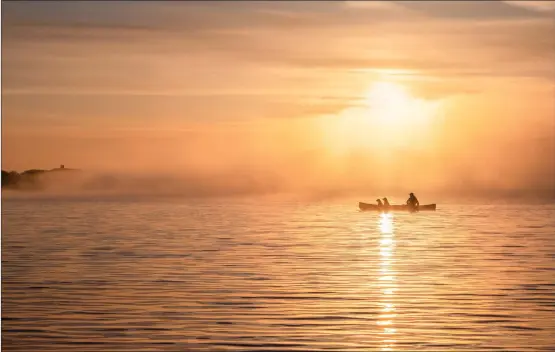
413 202
412 205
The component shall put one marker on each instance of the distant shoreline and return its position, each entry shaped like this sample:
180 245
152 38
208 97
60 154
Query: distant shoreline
28 179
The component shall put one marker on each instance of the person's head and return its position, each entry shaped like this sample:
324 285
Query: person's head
412 194
384 198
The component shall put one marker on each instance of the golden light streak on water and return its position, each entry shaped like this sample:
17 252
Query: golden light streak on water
387 281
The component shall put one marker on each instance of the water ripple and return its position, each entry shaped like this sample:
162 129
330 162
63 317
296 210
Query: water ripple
247 276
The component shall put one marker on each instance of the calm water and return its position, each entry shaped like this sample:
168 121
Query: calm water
82 275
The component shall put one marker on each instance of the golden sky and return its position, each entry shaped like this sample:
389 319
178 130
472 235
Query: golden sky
340 94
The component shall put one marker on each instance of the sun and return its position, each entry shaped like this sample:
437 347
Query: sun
386 115
389 103
385 93
395 110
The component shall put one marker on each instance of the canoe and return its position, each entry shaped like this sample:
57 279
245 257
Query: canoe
395 207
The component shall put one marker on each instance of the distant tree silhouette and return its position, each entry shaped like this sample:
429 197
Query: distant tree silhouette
10 178
28 179
5 178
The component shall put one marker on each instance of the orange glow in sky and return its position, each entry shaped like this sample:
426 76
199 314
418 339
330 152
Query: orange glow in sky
341 95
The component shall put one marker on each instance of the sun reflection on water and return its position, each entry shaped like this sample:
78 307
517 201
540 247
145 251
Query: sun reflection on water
386 223
387 282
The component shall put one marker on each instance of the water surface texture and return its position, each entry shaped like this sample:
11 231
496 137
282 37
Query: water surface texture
83 275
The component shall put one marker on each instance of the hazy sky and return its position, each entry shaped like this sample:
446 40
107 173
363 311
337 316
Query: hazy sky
342 93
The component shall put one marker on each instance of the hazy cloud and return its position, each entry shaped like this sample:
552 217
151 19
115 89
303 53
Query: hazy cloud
470 10
542 6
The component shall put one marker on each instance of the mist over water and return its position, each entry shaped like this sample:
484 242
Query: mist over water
301 180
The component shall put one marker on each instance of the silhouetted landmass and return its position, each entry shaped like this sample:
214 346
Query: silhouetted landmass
29 179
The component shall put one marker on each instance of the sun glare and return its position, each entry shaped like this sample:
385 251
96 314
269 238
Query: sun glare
389 102
387 114
395 111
